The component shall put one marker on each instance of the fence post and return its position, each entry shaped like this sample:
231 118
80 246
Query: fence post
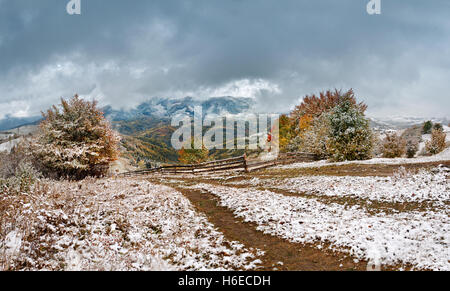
245 164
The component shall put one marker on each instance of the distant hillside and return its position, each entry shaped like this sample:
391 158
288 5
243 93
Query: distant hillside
9 122
11 138
147 131
403 122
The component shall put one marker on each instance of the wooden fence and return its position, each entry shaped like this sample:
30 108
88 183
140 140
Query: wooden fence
239 163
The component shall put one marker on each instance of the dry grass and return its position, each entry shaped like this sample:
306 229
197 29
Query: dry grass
30 217
109 224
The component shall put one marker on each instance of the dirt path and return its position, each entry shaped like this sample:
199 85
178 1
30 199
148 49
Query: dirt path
292 256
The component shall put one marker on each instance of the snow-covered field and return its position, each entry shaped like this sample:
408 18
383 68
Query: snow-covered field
110 224
401 187
417 238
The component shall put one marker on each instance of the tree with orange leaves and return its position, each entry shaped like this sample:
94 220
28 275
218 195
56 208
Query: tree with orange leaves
313 106
286 131
191 156
313 126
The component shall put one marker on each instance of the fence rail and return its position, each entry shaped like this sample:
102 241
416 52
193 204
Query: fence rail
242 163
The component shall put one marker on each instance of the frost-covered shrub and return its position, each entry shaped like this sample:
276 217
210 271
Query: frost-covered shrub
314 140
76 140
25 177
350 135
437 143
411 149
9 162
438 126
394 146
377 145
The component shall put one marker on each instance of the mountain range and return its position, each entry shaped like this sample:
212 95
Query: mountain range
10 122
164 108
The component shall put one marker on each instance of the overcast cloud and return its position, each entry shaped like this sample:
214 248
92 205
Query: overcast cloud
124 52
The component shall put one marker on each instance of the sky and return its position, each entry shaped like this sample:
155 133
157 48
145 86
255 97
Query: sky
275 51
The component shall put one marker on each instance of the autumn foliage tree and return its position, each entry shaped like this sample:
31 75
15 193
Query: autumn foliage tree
314 139
191 156
394 146
332 125
286 132
75 140
313 106
437 143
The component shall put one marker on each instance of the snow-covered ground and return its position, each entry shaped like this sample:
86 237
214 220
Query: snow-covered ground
113 224
419 238
402 187
9 145
5 135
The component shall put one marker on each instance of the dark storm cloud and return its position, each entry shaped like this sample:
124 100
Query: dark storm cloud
123 52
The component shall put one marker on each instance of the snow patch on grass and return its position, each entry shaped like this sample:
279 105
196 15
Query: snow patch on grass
402 187
417 238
